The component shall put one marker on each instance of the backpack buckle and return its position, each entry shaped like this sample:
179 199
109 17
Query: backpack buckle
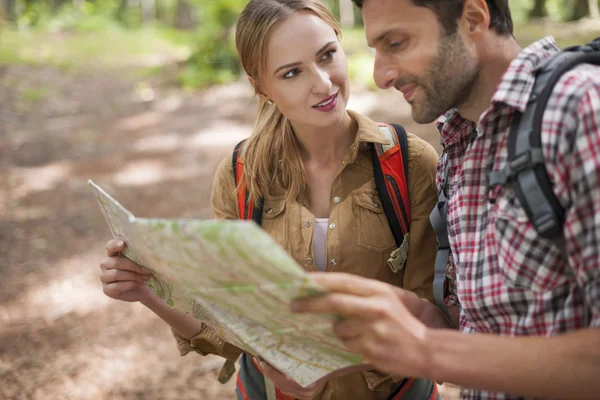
524 161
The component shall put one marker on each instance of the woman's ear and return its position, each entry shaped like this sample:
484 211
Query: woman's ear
256 90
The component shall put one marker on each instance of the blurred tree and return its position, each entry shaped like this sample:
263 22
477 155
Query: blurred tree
9 10
148 10
346 13
581 9
538 10
183 16
594 9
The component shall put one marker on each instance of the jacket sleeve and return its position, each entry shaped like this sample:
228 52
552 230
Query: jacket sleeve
223 202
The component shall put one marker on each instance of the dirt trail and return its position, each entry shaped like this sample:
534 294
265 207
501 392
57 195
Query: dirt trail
156 148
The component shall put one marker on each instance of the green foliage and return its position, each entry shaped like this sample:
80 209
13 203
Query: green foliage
214 58
34 94
558 10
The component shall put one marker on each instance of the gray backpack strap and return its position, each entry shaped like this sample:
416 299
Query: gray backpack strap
525 170
439 222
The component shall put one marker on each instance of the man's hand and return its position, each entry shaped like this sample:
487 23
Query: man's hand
384 324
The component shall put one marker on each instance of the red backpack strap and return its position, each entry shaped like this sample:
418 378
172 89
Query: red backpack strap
390 167
247 208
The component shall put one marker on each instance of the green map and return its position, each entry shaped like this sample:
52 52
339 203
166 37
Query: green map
235 278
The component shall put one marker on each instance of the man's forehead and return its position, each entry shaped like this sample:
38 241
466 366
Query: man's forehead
382 17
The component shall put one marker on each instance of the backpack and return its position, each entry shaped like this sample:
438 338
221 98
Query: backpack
390 168
525 169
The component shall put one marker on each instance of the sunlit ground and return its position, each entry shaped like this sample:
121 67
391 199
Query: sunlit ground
74 108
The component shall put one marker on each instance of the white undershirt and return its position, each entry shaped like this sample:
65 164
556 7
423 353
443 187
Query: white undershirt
320 243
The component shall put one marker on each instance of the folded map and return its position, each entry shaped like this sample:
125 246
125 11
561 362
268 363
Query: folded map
235 278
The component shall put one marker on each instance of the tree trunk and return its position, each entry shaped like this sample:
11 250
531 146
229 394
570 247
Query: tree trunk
183 19
78 4
594 9
148 10
9 10
538 10
346 14
581 10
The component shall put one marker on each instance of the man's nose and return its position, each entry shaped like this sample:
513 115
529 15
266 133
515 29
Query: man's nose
383 72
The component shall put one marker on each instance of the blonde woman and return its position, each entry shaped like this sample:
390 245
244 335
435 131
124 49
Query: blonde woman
309 160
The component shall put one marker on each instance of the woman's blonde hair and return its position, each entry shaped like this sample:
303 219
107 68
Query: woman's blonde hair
272 155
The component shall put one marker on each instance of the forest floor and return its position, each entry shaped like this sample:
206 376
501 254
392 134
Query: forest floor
153 146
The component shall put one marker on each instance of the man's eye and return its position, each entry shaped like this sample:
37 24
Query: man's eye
291 73
395 45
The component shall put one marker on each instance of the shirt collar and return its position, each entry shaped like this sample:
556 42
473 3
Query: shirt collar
517 82
368 132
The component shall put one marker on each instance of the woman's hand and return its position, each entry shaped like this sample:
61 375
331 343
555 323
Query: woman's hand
290 388
287 385
122 279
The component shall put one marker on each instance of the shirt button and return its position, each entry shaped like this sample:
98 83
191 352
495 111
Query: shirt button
270 211
302 204
309 261
333 261
376 205
332 225
307 223
336 199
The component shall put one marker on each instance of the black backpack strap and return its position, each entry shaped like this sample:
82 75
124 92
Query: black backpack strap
244 208
525 169
439 222
385 194
403 141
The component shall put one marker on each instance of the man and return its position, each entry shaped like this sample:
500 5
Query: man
534 314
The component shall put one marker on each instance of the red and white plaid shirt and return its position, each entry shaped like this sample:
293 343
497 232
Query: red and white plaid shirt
510 281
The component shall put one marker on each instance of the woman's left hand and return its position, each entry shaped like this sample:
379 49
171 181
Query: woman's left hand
289 387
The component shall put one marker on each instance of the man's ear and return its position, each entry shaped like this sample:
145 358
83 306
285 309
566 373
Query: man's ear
475 19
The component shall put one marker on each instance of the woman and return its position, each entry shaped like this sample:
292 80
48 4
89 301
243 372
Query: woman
309 159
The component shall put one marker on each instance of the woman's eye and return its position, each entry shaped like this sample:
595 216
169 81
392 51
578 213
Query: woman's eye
328 55
291 73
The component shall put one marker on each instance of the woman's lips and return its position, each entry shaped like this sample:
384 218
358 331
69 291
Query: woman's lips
327 104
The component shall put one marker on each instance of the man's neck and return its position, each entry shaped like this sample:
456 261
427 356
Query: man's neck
496 54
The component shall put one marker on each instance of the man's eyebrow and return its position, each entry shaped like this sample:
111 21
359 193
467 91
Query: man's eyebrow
322 49
294 64
379 38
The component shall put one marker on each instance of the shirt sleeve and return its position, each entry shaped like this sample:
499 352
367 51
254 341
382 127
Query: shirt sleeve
582 224
223 201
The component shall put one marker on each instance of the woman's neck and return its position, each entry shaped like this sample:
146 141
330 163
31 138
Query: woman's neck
326 145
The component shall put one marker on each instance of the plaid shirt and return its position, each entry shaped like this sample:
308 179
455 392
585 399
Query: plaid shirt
510 281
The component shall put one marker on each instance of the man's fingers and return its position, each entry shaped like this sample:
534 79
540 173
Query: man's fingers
115 289
116 275
124 264
114 246
348 329
350 284
345 305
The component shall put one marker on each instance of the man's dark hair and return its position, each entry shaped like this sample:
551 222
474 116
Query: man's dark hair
449 11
